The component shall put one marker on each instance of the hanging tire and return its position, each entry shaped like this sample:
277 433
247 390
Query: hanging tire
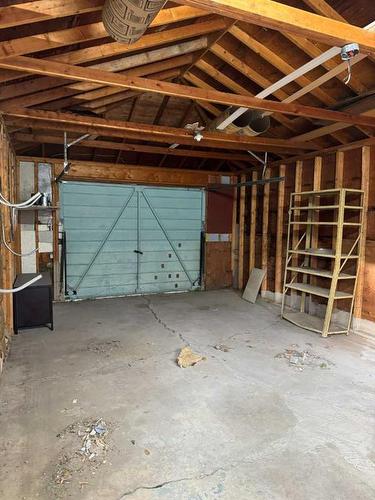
127 20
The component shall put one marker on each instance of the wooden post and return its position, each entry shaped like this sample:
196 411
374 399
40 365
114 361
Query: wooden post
315 214
265 223
253 222
279 236
339 173
55 235
241 231
234 238
339 183
366 151
295 230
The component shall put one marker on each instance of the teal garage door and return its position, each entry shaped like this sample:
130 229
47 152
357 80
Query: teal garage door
123 239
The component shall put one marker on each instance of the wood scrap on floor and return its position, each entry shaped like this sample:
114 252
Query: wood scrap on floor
188 358
253 285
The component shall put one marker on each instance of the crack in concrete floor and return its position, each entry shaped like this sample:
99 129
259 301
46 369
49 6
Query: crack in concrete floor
172 481
162 323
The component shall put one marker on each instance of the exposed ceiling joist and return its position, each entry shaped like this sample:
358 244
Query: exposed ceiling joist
44 10
54 69
114 49
278 16
165 56
157 133
42 138
55 39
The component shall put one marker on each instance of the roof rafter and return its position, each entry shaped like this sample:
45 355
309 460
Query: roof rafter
275 15
52 40
50 68
43 10
118 146
157 133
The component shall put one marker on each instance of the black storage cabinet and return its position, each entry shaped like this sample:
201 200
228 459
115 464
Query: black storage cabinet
32 307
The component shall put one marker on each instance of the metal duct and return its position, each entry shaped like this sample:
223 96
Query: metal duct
127 20
252 123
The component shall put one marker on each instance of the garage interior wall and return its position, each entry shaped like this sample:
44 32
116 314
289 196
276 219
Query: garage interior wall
8 262
252 232
42 230
263 223
239 236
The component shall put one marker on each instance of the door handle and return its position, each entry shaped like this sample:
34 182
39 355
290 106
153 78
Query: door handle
138 251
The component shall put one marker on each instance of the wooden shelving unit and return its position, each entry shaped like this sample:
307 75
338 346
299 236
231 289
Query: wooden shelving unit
322 217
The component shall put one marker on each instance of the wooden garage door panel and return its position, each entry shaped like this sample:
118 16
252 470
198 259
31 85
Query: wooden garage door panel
106 223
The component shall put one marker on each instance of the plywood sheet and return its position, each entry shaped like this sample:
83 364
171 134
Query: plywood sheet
253 285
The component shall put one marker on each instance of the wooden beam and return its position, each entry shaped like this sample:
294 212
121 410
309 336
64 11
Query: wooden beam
313 51
279 258
339 170
241 235
231 85
160 111
253 222
278 62
44 10
339 183
265 226
116 128
78 34
365 181
30 93
238 64
317 179
113 49
110 101
297 189
50 68
137 148
281 17
234 239
89 93
326 151
110 172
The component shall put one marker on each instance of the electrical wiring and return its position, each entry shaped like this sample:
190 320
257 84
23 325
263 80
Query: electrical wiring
12 251
28 203
22 287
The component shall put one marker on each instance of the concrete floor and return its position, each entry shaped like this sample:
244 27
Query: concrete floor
242 424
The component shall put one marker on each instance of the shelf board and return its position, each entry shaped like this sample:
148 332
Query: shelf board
314 207
322 223
309 322
327 192
317 290
315 253
37 208
325 207
319 272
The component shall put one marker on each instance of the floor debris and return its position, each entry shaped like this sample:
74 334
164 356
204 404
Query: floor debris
104 348
300 359
85 449
188 358
222 347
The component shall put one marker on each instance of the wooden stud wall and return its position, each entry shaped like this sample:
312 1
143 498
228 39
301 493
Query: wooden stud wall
352 169
8 262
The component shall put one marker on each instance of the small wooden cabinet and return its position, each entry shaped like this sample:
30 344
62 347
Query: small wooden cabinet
32 307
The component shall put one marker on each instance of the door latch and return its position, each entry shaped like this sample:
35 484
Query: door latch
138 251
